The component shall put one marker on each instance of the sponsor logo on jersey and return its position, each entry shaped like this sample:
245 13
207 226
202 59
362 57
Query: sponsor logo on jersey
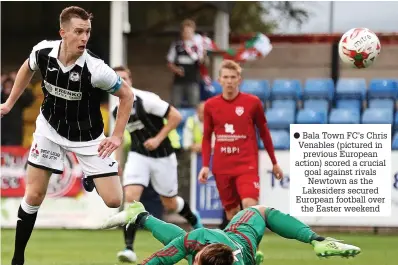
229 135
62 92
134 126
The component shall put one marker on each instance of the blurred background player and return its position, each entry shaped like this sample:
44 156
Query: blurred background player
237 244
70 118
183 59
233 117
151 158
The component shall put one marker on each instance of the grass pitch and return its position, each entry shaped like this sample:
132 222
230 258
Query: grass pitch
82 247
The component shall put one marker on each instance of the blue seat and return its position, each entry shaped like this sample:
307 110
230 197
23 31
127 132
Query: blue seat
354 104
260 88
351 88
319 88
284 104
383 88
395 141
344 116
317 105
396 121
308 116
286 89
279 118
280 139
377 116
217 89
382 103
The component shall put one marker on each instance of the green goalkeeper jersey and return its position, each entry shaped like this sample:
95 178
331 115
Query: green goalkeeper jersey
192 243
243 234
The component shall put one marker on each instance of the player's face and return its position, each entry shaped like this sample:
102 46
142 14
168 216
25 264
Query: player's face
76 34
229 80
187 33
125 76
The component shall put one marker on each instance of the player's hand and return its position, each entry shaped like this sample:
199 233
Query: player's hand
108 145
203 175
4 109
277 172
180 71
152 143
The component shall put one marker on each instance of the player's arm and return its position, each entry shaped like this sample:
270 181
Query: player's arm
106 79
207 136
153 104
168 255
261 123
22 81
126 100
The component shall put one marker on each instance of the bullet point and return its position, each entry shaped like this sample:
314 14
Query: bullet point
296 135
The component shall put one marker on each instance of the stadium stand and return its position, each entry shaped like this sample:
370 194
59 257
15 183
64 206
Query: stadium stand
319 101
260 88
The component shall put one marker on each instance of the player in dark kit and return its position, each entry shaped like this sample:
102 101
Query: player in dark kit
236 244
70 118
233 118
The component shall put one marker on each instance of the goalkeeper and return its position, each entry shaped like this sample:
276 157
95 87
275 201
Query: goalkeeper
236 244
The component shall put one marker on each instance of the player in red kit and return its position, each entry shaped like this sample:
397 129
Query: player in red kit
233 118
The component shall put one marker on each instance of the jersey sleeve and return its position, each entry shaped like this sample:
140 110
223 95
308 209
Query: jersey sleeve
104 77
153 104
168 255
32 62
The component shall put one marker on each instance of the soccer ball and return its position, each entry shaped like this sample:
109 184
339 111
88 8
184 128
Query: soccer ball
359 47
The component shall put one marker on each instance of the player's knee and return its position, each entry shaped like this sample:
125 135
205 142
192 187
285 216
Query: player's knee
261 209
249 202
34 197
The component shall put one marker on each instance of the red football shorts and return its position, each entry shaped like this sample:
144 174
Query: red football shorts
233 189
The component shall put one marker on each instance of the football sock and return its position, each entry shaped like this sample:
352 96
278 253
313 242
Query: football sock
289 227
26 221
129 236
184 210
162 231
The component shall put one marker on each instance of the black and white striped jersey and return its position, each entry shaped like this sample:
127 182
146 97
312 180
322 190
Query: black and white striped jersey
146 121
71 102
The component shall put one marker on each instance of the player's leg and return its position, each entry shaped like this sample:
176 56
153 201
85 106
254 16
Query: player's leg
136 215
229 196
193 94
289 227
165 183
135 179
248 187
45 157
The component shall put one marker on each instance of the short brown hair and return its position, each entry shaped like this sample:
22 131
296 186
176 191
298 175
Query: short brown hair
231 65
217 254
74 12
122 68
188 23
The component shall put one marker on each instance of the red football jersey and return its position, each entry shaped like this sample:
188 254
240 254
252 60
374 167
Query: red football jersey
234 124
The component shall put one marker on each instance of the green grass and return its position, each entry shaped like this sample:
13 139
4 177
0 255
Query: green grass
75 247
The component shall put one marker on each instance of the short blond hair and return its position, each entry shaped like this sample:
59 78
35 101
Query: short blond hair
188 23
231 65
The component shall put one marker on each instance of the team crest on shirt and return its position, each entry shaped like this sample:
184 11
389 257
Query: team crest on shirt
74 76
239 110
